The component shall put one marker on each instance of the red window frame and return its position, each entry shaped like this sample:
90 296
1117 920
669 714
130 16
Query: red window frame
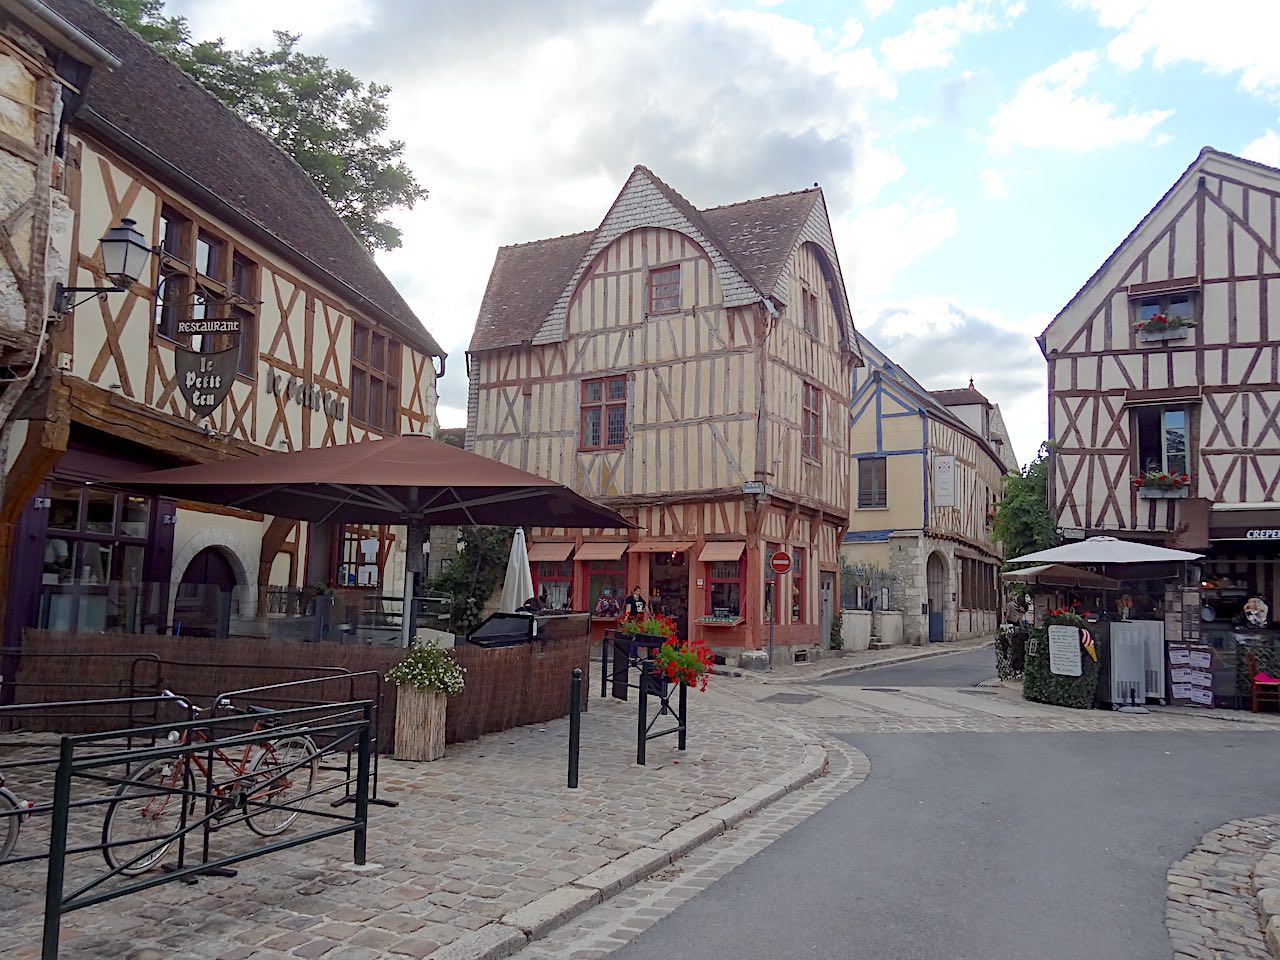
606 397
811 422
740 580
614 569
770 580
562 575
798 592
664 289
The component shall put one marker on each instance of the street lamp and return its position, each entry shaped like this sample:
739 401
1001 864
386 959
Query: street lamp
124 257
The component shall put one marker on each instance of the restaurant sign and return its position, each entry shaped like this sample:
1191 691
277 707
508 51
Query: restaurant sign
205 379
307 395
1269 534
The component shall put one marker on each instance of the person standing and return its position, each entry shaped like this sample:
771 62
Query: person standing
635 605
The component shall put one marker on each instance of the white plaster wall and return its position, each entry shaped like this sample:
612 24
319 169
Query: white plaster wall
855 629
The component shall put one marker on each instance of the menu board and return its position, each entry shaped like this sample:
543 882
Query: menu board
1191 674
1064 650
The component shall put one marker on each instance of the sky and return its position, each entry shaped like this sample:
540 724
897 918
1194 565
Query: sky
980 159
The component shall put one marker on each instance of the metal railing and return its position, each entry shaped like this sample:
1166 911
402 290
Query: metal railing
161 786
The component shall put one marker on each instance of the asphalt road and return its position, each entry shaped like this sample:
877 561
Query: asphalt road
949 670
1026 846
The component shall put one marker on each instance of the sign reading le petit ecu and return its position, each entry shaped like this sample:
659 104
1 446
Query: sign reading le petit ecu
205 378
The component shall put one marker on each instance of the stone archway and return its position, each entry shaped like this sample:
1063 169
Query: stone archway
936 585
204 600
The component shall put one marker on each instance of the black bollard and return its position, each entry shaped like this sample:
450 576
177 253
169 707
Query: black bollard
575 725
642 715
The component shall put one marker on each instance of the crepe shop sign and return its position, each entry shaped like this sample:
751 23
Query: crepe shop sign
306 395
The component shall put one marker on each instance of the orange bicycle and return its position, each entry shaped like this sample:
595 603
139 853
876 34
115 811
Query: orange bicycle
275 775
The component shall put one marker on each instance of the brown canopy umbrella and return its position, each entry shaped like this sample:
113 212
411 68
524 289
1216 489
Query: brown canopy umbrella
399 480
410 480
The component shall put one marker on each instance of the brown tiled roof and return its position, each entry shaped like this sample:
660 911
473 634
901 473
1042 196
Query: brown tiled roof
756 236
161 119
959 397
762 233
525 283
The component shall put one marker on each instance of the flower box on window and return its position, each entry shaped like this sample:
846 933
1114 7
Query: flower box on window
1167 333
1158 493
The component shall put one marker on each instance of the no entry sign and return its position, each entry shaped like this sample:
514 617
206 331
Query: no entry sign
780 562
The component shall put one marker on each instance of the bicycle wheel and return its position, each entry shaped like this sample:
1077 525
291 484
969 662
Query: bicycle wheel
283 774
146 809
10 824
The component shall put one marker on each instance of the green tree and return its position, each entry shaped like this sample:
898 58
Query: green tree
330 122
1023 521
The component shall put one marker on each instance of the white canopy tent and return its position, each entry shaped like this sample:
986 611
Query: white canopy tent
1106 550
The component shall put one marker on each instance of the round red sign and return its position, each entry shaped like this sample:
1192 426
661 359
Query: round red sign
781 562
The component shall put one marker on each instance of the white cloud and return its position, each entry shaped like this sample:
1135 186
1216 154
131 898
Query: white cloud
1265 149
876 7
934 35
1049 110
993 184
880 242
1229 37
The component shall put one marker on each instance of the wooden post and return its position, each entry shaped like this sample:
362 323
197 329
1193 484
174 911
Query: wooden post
419 724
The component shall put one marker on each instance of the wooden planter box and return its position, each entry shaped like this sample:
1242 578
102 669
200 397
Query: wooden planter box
1155 493
419 724
1173 333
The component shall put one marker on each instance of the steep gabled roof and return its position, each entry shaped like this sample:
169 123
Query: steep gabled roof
927 400
751 241
1206 154
164 121
525 283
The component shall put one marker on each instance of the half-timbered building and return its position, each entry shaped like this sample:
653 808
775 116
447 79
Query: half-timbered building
690 368
1164 384
250 267
925 482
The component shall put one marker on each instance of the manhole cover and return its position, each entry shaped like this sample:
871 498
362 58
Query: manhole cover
790 698
881 689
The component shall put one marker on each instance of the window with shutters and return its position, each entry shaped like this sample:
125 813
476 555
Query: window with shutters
375 379
873 479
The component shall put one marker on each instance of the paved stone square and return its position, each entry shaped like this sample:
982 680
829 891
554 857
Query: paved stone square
477 836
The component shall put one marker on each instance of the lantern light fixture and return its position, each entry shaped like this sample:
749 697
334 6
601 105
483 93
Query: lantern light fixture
125 253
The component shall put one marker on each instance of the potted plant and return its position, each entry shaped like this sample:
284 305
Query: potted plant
645 636
424 679
689 662
1156 484
1162 326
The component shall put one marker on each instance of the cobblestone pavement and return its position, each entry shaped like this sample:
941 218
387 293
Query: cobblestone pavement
477 836
1212 908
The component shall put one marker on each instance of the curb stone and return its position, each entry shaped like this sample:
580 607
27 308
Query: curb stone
556 908
841 670
1266 885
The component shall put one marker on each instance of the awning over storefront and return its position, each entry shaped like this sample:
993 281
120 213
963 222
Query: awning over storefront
550 552
660 546
602 551
1257 523
721 551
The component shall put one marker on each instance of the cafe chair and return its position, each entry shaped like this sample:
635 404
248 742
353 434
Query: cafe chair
1264 687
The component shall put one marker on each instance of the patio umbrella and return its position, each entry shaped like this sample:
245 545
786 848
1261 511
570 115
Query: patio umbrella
1060 575
1106 550
411 480
518 585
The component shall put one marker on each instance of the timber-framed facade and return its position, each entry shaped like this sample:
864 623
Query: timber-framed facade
691 369
928 471
1168 362
327 352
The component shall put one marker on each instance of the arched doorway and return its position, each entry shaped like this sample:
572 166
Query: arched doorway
935 572
203 605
